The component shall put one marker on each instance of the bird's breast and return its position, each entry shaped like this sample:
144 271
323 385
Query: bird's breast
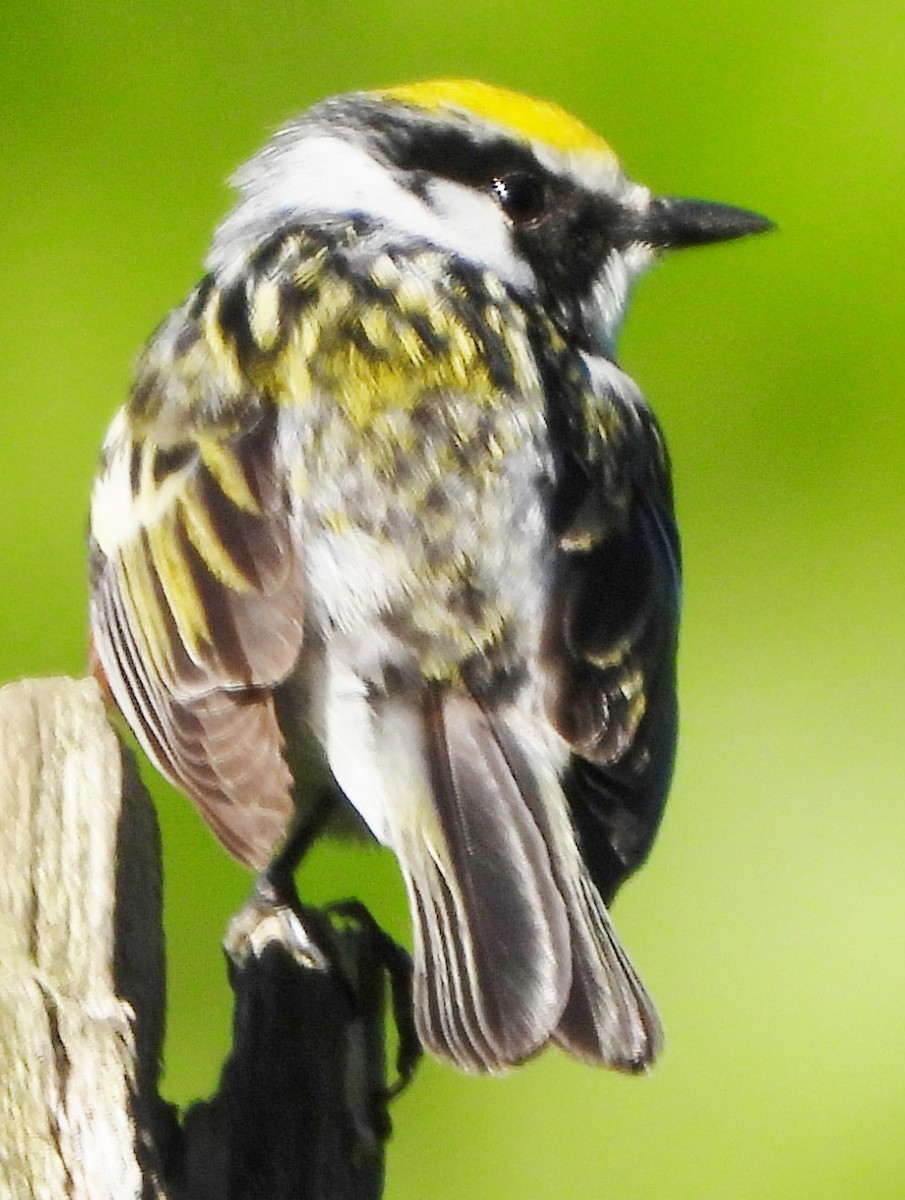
428 532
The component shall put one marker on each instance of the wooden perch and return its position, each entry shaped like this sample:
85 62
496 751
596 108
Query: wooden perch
301 1108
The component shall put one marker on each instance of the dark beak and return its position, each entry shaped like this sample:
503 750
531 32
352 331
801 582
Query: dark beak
671 223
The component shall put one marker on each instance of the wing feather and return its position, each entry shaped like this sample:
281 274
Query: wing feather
610 649
197 602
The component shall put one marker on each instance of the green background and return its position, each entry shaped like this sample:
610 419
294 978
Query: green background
770 920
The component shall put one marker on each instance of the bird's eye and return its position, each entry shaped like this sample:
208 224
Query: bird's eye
522 197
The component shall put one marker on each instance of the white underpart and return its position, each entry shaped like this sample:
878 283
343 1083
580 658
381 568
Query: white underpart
317 176
353 578
379 761
351 749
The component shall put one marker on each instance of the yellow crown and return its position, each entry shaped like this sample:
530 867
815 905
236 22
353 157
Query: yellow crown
523 116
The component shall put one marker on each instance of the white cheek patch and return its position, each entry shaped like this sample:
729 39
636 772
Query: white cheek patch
320 176
315 176
476 229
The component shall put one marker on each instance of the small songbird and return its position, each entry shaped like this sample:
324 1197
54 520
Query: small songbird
383 525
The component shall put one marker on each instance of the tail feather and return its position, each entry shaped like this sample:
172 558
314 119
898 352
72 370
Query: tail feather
448 995
609 1017
491 934
514 959
513 946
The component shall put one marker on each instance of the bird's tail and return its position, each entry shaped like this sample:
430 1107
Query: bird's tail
513 945
609 1017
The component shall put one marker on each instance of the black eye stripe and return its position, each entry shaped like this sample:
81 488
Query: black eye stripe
455 154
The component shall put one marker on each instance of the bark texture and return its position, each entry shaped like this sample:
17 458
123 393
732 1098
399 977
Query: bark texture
301 1110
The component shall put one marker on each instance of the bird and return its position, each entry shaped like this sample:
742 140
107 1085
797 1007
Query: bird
384 530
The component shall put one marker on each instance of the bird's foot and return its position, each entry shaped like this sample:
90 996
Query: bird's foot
274 913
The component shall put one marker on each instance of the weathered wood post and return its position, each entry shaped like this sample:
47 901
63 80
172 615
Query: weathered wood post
301 1108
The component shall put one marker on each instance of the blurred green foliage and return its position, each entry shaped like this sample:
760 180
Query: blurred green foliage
770 920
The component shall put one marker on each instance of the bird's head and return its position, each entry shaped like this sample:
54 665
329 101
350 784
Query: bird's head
509 184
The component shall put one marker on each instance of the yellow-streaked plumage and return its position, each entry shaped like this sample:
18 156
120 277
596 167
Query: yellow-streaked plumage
383 509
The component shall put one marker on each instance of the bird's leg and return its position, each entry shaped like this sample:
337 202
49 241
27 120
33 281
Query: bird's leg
276 900
276 883
361 955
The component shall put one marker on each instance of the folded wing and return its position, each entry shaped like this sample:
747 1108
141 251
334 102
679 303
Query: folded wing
196 586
